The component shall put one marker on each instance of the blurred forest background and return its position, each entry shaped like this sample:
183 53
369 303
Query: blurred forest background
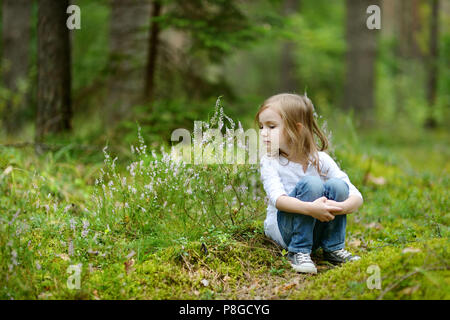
164 63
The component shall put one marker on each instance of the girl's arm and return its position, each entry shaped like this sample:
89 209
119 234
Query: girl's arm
355 198
318 209
350 205
293 205
278 196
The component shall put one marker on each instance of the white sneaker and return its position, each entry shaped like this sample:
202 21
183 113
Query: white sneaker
301 262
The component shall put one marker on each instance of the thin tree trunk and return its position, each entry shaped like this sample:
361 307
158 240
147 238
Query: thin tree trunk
152 52
432 64
408 26
16 33
128 46
54 110
388 17
289 80
361 54
407 50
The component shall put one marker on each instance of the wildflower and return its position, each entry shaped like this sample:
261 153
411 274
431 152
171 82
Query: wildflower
66 208
71 247
93 252
106 154
113 165
131 254
14 257
73 224
14 217
85 228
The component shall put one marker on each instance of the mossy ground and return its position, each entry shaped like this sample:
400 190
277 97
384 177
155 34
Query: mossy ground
402 231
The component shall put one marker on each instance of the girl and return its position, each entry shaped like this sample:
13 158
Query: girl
309 196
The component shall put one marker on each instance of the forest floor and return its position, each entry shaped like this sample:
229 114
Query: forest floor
401 233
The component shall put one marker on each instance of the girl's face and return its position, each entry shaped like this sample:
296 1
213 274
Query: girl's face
272 131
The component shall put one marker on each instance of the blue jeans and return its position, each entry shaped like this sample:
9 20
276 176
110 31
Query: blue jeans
303 233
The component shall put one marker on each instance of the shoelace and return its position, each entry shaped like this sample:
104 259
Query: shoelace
343 253
303 257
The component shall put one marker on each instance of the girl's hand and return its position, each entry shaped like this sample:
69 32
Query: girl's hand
337 204
323 211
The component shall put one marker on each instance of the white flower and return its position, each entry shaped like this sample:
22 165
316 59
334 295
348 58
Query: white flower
66 208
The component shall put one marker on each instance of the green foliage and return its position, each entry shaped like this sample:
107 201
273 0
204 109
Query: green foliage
420 272
90 45
215 26
150 228
146 227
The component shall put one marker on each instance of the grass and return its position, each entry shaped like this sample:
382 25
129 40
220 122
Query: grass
143 227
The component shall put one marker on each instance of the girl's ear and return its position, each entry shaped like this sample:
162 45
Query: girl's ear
299 127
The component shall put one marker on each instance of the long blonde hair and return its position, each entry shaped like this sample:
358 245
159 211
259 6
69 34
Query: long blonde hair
294 108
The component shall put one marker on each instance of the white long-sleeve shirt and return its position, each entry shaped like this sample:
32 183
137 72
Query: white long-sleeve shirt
280 177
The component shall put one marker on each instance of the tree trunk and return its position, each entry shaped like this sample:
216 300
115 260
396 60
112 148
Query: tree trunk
152 52
432 63
388 17
361 54
289 80
54 110
128 46
408 21
16 33
407 50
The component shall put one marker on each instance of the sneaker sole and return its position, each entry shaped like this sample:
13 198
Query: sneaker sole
335 262
304 269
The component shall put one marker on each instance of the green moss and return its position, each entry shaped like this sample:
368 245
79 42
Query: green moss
404 275
186 260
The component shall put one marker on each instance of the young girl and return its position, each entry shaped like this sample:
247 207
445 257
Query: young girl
309 196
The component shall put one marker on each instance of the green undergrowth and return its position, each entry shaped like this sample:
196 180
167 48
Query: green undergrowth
417 271
198 234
